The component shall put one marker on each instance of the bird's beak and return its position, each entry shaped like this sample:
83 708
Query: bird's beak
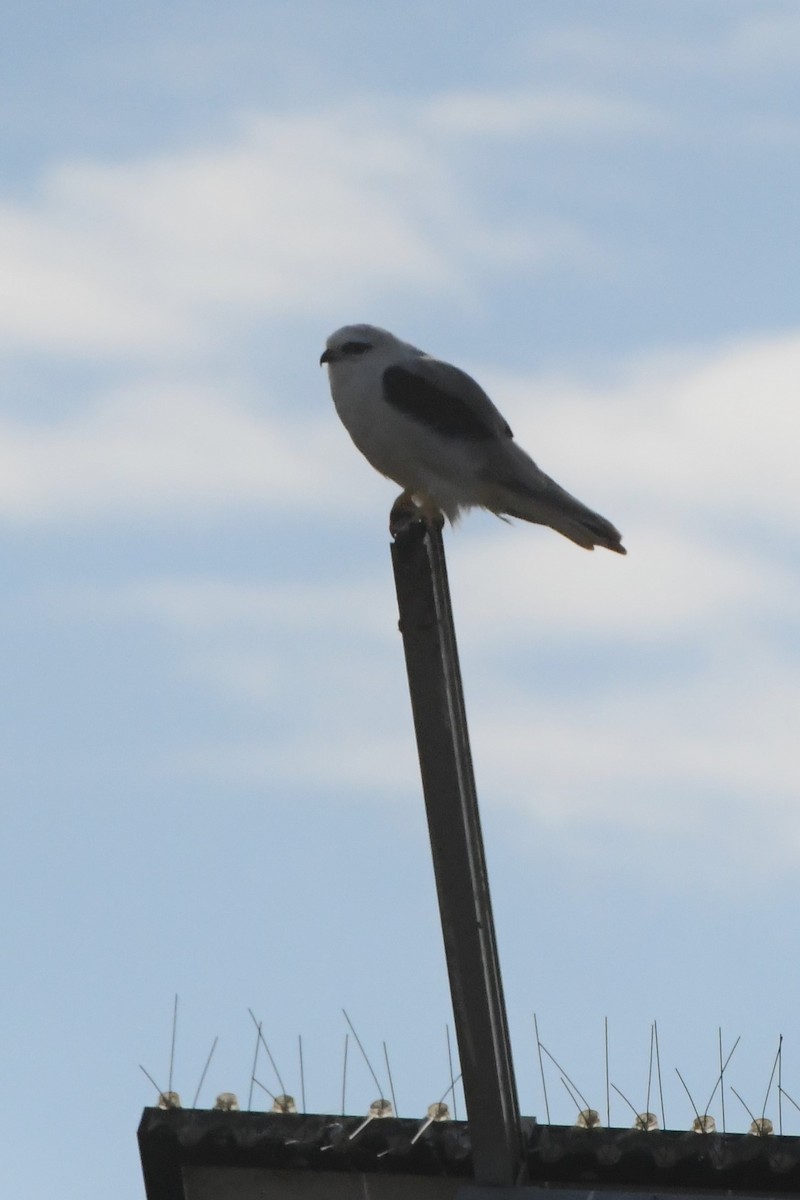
328 356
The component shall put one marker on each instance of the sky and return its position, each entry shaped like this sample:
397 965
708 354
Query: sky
208 770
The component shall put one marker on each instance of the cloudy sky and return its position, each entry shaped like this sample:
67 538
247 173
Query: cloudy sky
208 769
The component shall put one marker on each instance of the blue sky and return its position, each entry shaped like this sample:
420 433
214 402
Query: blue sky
208 767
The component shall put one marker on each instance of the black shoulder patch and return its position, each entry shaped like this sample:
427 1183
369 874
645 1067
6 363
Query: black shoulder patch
440 410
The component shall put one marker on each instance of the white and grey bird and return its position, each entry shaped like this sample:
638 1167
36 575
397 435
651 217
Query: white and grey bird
432 429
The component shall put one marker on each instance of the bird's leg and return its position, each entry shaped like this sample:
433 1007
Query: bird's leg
430 514
406 509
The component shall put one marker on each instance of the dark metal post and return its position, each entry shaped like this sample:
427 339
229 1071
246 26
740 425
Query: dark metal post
437 701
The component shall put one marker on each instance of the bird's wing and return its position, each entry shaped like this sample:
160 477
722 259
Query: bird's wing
444 399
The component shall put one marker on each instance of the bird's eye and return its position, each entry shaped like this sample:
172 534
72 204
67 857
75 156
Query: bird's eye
356 348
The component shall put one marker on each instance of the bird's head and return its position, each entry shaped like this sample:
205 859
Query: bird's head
352 343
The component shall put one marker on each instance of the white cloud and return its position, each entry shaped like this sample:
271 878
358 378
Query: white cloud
63 285
749 39
764 41
307 213
700 763
156 252
208 606
296 213
704 439
319 665
161 448
719 723
540 114
672 582
690 742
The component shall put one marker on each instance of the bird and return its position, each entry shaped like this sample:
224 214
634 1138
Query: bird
432 429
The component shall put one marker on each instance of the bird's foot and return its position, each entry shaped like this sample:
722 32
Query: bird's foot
405 511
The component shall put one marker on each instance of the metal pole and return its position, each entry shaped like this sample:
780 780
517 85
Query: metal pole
437 702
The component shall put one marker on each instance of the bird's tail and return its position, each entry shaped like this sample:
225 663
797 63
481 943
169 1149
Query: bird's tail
539 499
588 529
566 515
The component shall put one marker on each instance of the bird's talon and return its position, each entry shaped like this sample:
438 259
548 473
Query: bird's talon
404 512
